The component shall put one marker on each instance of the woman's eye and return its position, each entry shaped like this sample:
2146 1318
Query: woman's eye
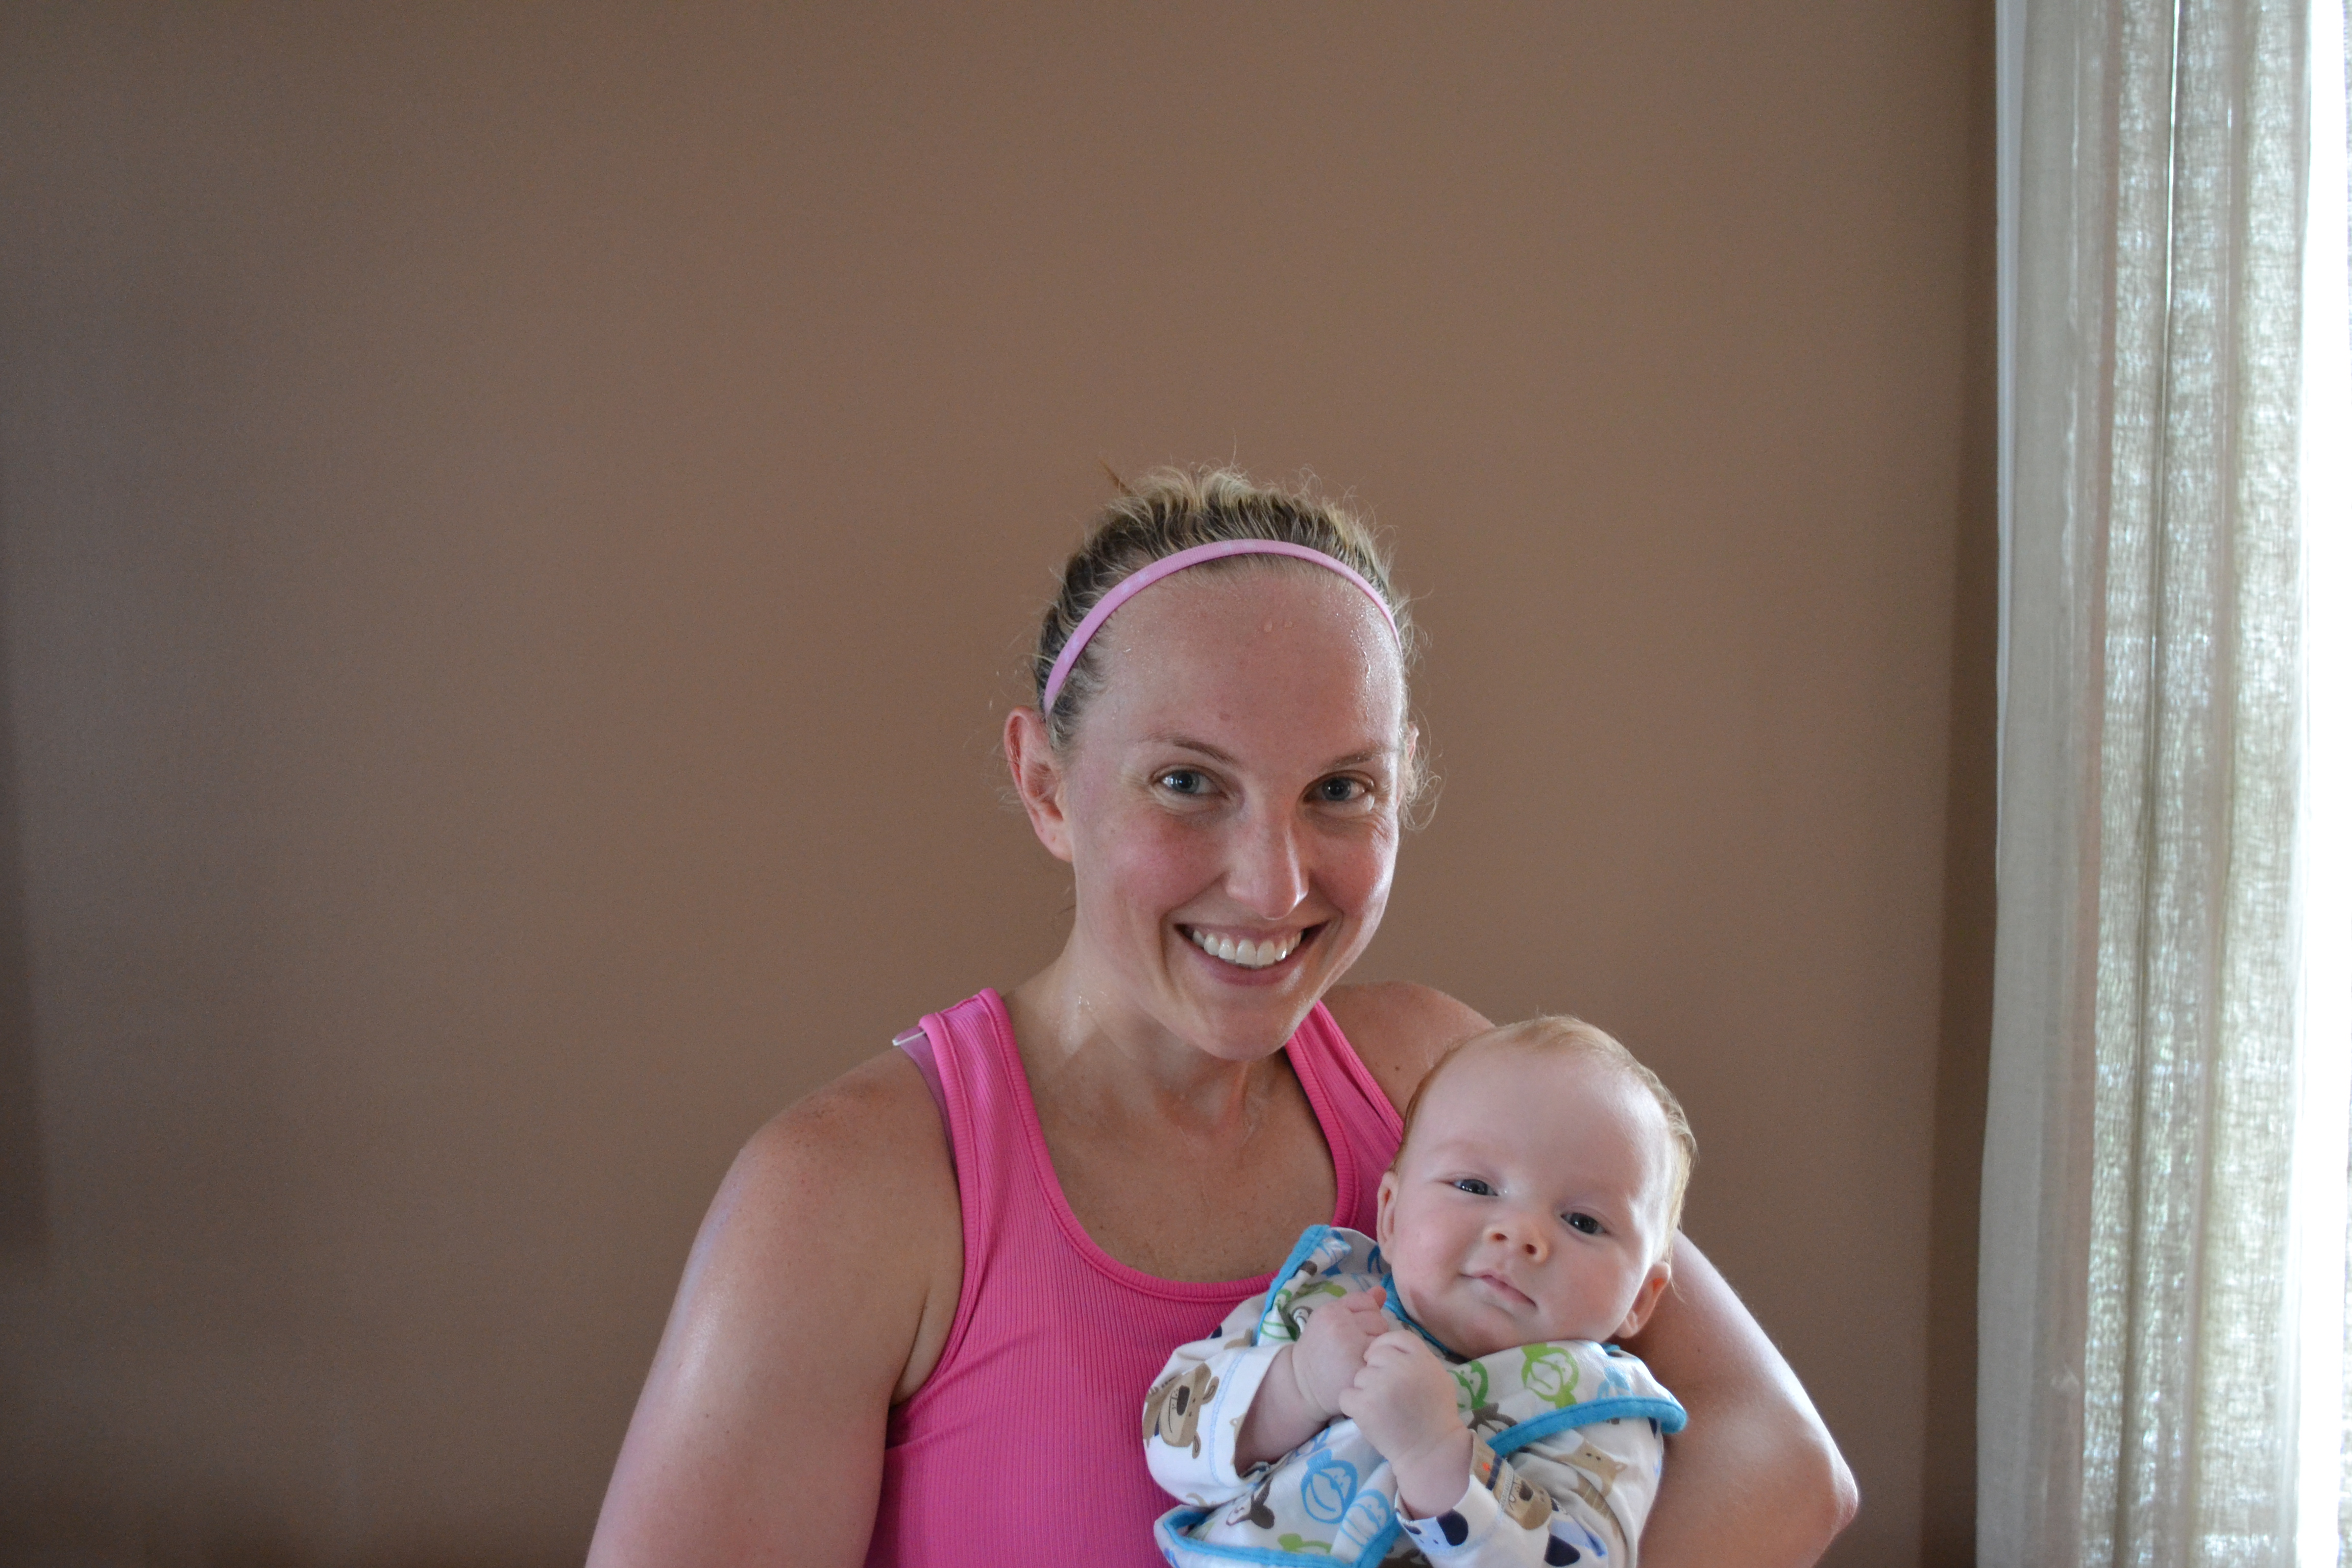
1473 1185
1183 781
1341 791
1584 1223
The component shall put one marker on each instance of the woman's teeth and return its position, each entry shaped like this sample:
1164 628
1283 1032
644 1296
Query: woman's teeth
1247 953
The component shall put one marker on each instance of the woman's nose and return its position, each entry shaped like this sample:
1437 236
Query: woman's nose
1269 875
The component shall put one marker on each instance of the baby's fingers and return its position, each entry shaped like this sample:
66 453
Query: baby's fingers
1397 1344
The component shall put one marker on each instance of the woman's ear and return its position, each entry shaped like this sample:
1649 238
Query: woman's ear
1645 1301
1037 779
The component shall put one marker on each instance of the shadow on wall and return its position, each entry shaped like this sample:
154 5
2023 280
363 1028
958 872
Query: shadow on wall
1963 1054
23 1224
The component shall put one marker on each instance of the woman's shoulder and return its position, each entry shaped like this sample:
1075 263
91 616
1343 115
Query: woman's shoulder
868 1143
818 1293
880 1112
854 1183
1399 1030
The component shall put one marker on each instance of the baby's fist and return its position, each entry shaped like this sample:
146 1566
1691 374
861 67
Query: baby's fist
1403 1400
1331 1347
1402 1395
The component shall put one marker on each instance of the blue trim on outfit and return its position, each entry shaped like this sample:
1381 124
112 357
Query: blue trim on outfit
1312 1238
1395 1309
1307 1241
1592 1412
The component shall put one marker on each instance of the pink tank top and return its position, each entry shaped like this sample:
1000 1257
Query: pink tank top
1026 1444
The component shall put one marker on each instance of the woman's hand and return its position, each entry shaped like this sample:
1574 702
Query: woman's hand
821 1288
1403 1399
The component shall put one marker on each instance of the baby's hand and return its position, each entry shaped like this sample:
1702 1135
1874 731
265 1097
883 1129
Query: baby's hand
1403 1399
1330 1349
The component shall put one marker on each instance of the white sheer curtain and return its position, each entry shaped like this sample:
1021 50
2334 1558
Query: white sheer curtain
2162 1119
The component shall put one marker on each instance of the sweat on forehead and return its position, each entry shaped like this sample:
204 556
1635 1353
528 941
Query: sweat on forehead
1558 1033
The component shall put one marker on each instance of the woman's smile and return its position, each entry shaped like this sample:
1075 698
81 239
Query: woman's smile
1244 951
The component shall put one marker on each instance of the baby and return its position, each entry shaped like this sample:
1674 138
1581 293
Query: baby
1441 1394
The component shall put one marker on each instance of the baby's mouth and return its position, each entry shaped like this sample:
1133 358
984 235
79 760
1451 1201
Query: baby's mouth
1247 952
1505 1289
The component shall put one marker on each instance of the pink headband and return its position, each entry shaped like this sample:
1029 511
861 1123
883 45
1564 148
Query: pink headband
1136 582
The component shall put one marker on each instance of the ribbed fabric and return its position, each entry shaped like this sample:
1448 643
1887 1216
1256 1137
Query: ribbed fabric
1025 1447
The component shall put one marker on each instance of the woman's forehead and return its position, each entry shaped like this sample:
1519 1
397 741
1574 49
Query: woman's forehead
1265 633
1265 591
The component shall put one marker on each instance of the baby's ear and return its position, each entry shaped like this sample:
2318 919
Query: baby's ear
1645 1301
1387 1208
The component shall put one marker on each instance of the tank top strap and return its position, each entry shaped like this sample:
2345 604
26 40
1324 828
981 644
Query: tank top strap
1361 1127
958 1051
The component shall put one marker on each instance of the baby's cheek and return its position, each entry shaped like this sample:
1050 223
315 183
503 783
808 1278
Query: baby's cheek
1409 1274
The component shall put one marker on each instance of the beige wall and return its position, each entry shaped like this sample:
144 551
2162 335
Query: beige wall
517 526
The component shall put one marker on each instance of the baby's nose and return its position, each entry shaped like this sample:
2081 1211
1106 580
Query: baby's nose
1523 1237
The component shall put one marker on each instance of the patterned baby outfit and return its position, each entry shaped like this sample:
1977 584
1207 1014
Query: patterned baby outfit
1568 1440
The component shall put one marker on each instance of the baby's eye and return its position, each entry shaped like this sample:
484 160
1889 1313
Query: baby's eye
1584 1223
1473 1185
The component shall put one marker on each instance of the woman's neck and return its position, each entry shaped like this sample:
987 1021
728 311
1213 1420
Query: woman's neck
1086 1046
1175 1161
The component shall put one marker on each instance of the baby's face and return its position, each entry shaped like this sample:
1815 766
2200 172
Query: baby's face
1528 1205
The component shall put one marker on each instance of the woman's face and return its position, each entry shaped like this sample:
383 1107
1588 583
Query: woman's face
1229 801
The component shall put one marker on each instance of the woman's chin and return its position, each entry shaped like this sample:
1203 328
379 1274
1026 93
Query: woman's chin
1243 1022
1234 1036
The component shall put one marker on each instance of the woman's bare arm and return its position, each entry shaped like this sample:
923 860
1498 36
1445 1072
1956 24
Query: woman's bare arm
821 1288
1755 1479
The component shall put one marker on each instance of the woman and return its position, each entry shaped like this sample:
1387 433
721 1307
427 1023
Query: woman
920 1318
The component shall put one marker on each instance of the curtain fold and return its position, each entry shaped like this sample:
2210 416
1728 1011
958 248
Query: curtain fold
2137 1321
